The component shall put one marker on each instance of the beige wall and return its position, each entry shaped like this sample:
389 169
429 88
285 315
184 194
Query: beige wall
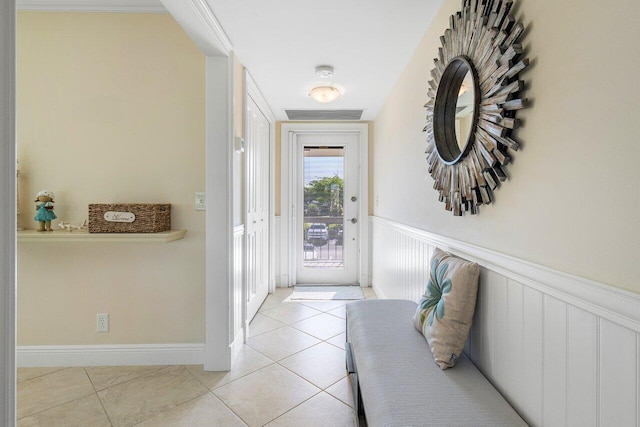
110 109
570 203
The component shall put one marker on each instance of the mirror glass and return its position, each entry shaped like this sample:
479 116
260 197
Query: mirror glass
465 107
455 110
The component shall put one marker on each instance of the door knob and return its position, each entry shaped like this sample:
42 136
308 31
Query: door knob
354 220
354 198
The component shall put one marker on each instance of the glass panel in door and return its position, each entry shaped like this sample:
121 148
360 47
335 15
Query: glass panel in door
327 209
323 194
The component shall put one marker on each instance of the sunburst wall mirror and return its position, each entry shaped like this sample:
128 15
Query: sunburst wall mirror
474 94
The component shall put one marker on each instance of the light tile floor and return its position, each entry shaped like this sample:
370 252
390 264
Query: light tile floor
291 372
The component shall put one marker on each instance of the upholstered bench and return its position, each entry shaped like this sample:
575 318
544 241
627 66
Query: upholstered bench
397 383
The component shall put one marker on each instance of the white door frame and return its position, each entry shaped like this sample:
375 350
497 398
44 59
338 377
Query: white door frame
257 96
288 136
197 20
8 213
250 89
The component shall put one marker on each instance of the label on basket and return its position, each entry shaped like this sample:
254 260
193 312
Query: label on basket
111 216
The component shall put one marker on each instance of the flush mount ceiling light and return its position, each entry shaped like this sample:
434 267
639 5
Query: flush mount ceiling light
325 93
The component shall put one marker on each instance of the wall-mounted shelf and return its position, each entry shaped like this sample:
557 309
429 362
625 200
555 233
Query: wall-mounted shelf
33 236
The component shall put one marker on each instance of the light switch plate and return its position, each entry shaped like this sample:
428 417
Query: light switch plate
201 203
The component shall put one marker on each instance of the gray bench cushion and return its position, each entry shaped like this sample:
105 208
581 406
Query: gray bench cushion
400 383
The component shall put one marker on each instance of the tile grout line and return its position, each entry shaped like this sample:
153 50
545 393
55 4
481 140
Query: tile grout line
229 407
132 379
225 403
300 376
208 391
273 362
295 321
56 406
95 390
266 332
162 367
60 404
43 375
322 390
291 409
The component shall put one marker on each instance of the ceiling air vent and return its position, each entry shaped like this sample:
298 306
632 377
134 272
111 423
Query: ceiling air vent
324 114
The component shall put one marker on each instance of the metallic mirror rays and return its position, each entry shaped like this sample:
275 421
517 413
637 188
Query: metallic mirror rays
485 35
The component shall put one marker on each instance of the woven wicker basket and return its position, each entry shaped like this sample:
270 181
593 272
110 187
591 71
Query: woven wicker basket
129 218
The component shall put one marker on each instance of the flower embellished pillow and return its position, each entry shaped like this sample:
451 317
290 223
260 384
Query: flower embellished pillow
445 311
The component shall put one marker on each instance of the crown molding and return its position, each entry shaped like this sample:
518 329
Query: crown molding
195 16
126 6
198 20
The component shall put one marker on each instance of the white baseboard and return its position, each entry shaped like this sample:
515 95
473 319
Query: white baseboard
110 355
282 281
379 292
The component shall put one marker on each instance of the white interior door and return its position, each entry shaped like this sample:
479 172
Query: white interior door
326 208
257 207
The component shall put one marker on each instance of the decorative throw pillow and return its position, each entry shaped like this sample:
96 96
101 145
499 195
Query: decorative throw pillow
445 311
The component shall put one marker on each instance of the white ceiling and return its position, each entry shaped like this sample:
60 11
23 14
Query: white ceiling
369 42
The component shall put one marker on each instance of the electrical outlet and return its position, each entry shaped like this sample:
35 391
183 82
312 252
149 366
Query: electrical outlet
200 202
102 322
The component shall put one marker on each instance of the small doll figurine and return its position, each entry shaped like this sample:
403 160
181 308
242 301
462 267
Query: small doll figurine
44 210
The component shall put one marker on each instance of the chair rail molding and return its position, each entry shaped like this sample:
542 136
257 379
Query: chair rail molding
616 305
7 213
126 6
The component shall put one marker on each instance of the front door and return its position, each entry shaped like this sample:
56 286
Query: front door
257 207
326 218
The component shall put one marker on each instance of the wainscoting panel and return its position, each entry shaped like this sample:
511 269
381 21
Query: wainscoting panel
530 407
238 281
618 363
582 367
514 353
277 255
563 350
554 345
